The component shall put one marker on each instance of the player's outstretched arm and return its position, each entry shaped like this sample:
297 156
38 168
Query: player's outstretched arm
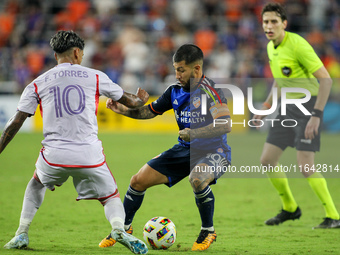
11 128
143 112
133 101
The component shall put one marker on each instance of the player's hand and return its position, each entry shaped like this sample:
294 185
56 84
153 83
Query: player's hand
142 94
312 127
116 106
256 120
184 134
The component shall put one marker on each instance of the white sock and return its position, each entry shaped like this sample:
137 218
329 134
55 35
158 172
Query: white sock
33 198
209 229
126 227
114 212
23 226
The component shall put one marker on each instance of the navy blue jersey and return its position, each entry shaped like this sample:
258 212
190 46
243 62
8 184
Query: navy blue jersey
187 106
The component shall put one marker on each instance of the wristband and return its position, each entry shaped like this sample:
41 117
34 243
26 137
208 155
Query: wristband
317 113
267 105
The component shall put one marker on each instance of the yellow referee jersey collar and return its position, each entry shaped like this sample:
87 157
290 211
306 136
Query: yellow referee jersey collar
283 41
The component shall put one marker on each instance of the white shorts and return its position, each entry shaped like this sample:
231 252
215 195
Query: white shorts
90 183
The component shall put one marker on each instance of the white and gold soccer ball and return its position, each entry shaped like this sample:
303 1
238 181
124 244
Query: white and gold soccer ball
159 233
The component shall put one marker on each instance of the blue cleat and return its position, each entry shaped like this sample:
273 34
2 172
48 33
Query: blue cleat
129 241
18 242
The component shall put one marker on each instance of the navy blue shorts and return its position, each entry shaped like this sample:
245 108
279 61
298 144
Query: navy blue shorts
177 162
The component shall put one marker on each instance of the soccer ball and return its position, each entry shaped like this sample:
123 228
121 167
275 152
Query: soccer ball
160 233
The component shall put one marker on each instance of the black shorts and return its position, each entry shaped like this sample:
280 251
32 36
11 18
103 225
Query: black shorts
177 163
282 136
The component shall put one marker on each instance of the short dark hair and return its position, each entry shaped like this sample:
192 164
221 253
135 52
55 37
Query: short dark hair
65 40
190 53
275 7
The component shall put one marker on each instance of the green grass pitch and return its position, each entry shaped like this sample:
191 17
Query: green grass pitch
64 226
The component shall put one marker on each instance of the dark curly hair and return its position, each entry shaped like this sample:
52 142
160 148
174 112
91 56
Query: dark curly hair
189 53
275 7
65 40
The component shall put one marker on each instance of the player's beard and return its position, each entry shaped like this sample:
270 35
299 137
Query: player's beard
187 86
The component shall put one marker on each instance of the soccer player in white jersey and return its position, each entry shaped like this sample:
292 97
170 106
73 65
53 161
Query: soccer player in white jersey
68 96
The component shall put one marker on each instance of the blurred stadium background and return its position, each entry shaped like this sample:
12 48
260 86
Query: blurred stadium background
133 43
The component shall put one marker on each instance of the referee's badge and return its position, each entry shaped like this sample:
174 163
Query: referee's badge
286 71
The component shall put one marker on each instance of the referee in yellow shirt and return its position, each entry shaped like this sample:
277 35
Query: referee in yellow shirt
294 63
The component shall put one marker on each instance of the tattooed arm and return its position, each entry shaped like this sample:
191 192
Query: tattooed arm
136 113
212 130
133 101
11 128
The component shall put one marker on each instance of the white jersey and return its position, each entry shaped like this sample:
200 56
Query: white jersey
68 96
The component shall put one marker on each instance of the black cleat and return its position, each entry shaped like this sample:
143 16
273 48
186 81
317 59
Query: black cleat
283 216
329 223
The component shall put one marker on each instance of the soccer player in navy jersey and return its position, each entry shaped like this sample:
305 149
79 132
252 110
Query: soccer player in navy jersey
201 143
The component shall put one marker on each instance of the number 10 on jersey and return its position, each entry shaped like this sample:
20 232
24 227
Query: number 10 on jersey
66 99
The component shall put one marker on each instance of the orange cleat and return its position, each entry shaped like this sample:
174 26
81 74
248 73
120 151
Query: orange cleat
204 240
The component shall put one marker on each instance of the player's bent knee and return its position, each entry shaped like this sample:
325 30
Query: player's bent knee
197 182
265 161
198 185
135 182
139 183
194 181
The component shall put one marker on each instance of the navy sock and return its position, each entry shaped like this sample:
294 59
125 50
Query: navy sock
205 201
132 201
